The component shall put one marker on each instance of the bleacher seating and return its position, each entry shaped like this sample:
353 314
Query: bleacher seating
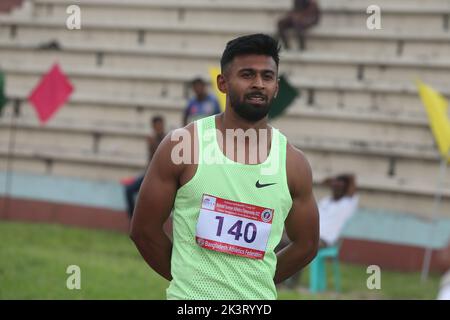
358 108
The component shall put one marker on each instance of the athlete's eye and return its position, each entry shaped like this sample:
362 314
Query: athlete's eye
268 77
246 75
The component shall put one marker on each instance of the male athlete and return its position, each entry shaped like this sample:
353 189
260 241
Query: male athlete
229 211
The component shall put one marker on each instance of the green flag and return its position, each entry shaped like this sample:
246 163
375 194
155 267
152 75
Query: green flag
3 99
286 95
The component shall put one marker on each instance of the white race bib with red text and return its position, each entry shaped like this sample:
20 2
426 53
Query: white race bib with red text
233 227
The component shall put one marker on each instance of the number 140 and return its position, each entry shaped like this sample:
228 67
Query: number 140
235 230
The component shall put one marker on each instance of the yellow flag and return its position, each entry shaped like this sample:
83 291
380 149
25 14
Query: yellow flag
213 73
436 107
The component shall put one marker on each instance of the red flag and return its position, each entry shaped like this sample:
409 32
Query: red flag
51 93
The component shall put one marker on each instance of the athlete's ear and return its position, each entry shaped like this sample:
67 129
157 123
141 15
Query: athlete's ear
221 83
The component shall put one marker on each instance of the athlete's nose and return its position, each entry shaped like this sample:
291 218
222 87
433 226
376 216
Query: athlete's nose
258 83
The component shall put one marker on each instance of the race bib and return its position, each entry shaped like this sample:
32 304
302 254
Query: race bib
232 227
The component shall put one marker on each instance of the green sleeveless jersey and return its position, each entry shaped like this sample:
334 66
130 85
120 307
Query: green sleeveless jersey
227 220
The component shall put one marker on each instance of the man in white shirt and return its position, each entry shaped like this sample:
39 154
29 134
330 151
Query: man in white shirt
337 209
334 212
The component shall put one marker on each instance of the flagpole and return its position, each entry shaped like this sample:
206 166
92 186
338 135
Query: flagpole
436 207
10 156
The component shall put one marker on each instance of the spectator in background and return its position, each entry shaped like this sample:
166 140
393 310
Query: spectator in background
306 13
202 105
337 209
334 212
132 189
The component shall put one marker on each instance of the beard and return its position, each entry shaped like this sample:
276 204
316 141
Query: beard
248 111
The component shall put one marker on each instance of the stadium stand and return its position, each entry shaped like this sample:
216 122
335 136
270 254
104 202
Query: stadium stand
133 59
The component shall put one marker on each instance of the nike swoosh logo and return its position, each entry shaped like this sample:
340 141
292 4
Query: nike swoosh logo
259 185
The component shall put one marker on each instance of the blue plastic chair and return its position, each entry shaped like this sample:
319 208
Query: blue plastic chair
317 270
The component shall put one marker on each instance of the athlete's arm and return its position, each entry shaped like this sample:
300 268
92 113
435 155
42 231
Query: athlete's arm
302 223
153 207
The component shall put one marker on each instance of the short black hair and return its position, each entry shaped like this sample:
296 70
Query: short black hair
198 80
156 119
258 43
302 4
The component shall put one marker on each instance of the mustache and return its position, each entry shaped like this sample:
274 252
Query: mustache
256 94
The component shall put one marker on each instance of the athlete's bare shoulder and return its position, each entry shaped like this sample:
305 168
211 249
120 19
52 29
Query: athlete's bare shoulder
175 151
299 172
177 156
184 144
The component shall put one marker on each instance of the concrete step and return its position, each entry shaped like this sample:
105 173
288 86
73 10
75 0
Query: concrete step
410 161
188 36
308 64
375 192
299 120
389 97
395 16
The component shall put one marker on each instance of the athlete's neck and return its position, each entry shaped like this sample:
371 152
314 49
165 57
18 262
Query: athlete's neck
230 120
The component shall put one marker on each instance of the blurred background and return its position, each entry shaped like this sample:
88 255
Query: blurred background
76 117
